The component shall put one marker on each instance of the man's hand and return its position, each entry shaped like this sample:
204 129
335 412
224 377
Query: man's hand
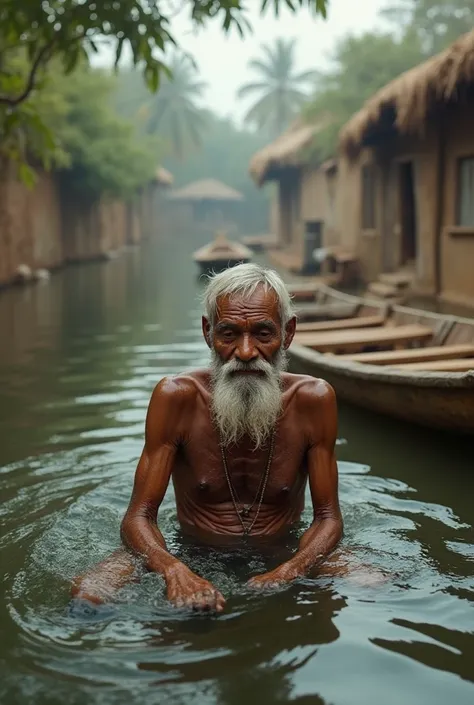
186 589
285 573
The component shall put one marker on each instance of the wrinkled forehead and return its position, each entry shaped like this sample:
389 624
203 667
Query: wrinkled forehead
261 303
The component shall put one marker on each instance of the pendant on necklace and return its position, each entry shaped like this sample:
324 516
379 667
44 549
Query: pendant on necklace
245 511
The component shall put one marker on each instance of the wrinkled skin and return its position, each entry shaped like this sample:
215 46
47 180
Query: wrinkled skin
181 444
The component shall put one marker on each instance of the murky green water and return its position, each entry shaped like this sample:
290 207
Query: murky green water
79 357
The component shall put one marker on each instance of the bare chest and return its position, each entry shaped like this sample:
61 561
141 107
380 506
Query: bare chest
204 472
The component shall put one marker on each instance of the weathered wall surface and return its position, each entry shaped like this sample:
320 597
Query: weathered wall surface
380 248
50 225
352 237
30 224
457 243
423 153
318 202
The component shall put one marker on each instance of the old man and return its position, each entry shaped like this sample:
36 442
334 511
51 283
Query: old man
240 440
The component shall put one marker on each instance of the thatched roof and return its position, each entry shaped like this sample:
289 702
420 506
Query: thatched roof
285 151
412 95
163 177
206 190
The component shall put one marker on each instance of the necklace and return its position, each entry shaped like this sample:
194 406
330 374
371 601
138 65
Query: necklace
245 510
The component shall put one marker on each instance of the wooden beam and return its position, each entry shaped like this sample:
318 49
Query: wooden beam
357 339
439 366
391 357
342 324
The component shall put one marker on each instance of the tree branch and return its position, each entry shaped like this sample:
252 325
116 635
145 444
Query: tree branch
42 57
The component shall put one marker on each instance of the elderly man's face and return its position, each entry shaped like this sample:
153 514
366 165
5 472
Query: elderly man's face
248 328
247 344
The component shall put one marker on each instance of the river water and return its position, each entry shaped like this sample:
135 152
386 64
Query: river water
79 357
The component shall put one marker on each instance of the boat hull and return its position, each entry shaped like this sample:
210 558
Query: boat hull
436 400
218 265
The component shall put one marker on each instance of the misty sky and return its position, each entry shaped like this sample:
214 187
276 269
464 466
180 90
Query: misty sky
222 59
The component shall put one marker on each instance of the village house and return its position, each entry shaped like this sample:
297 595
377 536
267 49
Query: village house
406 179
304 209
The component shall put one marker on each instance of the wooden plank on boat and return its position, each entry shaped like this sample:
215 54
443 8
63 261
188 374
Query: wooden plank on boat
355 339
342 324
393 357
439 366
326 311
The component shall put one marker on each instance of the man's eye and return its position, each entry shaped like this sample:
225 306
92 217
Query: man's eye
228 334
265 333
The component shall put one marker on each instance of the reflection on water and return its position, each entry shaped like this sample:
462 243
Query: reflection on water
77 367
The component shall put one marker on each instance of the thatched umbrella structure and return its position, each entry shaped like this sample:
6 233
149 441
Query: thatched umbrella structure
209 199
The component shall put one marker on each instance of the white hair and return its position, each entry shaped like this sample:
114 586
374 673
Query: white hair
244 279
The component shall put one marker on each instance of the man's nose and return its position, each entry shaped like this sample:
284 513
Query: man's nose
246 350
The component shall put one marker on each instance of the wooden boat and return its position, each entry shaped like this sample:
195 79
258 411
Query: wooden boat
313 301
407 363
220 254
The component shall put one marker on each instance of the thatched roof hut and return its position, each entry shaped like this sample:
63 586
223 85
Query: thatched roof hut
407 101
163 177
206 190
288 150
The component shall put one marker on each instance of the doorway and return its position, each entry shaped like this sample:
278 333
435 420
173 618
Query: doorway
408 219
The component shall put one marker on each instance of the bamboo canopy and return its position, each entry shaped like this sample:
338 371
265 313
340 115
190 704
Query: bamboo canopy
206 190
413 94
286 151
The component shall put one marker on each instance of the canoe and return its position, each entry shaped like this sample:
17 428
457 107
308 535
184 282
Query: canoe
220 254
402 362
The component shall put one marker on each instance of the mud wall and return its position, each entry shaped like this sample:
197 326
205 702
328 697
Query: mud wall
49 224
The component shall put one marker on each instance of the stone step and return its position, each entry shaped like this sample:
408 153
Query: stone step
384 291
401 280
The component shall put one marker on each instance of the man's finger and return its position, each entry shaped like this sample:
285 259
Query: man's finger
219 601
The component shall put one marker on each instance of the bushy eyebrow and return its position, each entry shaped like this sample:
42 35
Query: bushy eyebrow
265 324
259 325
223 325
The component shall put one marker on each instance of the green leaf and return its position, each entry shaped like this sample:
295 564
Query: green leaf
152 77
27 175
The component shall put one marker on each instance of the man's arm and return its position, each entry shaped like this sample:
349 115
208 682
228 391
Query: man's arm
167 413
325 532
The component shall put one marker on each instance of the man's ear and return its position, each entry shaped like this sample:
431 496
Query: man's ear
206 331
289 332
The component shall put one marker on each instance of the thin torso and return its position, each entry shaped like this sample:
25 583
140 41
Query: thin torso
204 503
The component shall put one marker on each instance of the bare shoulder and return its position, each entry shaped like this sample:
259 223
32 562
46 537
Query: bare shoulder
311 391
172 404
316 409
179 390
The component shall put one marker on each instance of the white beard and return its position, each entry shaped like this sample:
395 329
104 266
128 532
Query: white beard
246 404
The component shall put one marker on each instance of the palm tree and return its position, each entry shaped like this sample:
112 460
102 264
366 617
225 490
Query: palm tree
173 113
280 89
